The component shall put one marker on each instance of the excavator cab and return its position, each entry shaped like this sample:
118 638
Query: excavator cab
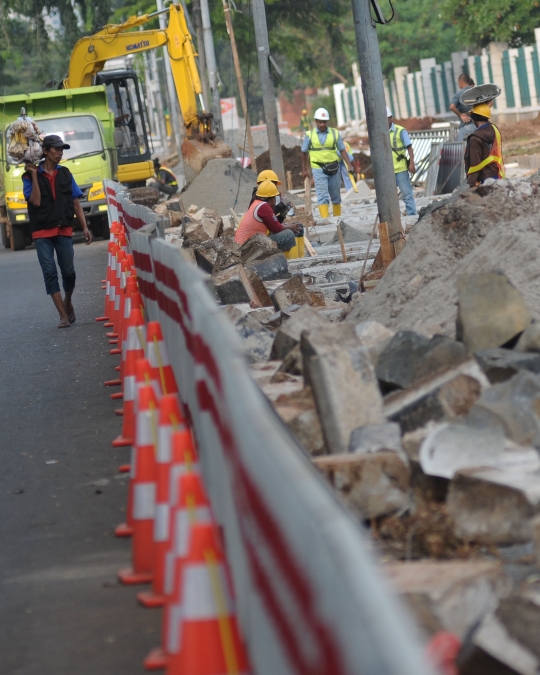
130 124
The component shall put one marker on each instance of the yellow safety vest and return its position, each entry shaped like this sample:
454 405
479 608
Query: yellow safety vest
172 183
495 156
399 155
322 154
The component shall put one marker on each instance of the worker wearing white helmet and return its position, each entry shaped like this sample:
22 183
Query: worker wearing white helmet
401 145
322 144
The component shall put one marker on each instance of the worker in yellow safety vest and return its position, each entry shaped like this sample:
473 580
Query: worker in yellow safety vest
305 123
165 180
321 145
401 145
483 153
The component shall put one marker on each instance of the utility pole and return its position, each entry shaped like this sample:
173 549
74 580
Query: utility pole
176 118
268 91
240 80
212 67
369 59
203 69
158 99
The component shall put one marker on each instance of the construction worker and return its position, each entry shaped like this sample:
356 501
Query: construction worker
401 145
283 205
322 144
305 122
165 180
261 219
467 126
483 153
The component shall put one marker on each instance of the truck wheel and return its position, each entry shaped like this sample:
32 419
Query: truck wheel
5 239
19 238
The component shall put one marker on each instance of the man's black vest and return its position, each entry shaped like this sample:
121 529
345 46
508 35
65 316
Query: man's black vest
52 212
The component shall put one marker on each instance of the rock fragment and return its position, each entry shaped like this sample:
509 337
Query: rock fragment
256 340
292 292
270 268
289 333
376 438
299 413
500 364
236 285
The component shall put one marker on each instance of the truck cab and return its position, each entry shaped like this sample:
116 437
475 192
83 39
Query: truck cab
84 121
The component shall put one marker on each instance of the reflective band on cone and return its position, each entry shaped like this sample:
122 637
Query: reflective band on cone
156 353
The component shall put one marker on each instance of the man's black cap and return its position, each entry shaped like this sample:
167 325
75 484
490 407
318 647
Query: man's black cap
54 141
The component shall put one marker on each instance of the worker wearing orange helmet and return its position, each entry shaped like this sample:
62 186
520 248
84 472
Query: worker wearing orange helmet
305 122
483 153
261 219
283 205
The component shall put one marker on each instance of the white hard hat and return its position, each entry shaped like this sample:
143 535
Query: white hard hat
388 112
321 114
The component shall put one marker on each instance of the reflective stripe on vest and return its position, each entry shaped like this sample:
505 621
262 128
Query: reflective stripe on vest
174 182
494 157
322 154
398 149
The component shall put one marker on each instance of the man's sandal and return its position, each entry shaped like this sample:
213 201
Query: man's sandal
72 318
64 324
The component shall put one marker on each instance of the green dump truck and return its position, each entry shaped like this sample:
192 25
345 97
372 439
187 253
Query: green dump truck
82 118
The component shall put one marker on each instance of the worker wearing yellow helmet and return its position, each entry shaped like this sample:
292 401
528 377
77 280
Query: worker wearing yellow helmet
261 219
483 153
283 205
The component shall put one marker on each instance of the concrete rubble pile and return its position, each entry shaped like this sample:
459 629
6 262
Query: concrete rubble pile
420 405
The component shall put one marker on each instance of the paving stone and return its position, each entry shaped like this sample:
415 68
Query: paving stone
529 340
227 257
258 295
376 438
256 340
494 506
448 595
292 292
299 413
257 247
410 357
371 485
491 311
211 222
206 253
447 395
270 268
500 364
289 333
513 406
193 232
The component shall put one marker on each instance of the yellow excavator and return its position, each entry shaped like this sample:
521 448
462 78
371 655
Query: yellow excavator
123 92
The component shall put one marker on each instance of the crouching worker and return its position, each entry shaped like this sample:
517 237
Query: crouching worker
282 204
261 219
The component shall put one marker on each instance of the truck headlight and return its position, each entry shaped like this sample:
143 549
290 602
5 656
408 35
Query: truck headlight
15 200
96 192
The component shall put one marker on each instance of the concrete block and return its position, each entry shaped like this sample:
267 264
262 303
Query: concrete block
513 406
500 364
263 315
258 295
410 357
227 257
371 485
270 268
299 413
529 340
287 384
257 247
376 438
448 595
316 297
206 253
212 223
374 337
449 394
263 371
145 196
292 292
289 333
494 506
193 232
256 340
236 285
491 311
294 362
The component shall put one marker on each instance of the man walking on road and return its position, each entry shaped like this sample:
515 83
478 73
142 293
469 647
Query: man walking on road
53 201
401 145
322 145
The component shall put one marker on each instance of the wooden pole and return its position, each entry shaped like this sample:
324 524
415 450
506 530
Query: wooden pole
240 80
368 249
289 180
307 199
341 243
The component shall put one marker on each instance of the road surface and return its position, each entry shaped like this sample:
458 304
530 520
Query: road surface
62 611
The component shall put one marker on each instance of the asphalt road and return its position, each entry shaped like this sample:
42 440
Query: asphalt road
62 612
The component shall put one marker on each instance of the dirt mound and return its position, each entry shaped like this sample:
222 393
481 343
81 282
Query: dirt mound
292 159
484 229
222 184
362 164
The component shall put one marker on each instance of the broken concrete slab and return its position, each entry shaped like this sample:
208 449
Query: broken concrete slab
299 413
144 196
263 315
448 595
227 257
371 485
257 341
211 222
494 506
514 406
263 371
449 394
287 384
376 438
316 297
374 337
206 253
294 362
426 488
292 292
491 311
452 447
258 295
271 267
235 285
193 232
501 364
410 357
257 247
289 333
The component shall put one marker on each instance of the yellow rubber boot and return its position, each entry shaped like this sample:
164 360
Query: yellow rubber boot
323 210
300 246
336 209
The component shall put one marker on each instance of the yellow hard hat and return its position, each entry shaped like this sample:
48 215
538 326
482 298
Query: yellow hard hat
482 109
268 174
267 189
304 111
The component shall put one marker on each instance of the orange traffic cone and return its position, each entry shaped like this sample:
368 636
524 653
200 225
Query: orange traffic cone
156 353
202 634
111 272
189 506
171 449
126 303
120 255
143 490
110 254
